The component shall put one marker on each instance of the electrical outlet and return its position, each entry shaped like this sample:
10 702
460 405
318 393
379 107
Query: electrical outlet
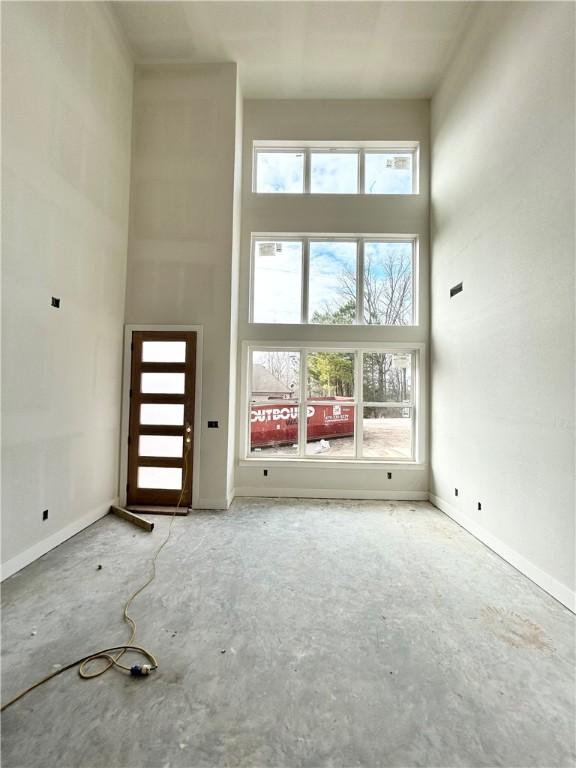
265 473
455 491
479 506
455 290
45 515
212 425
55 302
389 475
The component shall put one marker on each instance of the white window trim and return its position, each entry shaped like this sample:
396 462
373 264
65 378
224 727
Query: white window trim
362 148
419 406
361 241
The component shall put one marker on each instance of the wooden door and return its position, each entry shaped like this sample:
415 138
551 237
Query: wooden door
161 432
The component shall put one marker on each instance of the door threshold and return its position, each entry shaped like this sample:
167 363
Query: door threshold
147 510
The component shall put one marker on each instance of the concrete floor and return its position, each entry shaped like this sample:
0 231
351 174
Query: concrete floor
291 633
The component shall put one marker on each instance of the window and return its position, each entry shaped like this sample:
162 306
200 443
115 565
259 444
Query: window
274 401
332 287
277 281
331 403
280 171
333 281
329 170
389 173
334 172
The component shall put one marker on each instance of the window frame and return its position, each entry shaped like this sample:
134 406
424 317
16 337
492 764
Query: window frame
284 238
307 148
360 241
286 150
417 404
386 151
331 151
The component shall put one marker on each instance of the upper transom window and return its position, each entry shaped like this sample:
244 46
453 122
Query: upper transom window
333 280
328 170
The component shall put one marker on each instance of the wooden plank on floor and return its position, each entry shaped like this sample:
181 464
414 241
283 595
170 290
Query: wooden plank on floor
126 514
158 510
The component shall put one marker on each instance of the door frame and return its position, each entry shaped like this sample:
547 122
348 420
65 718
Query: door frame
125 418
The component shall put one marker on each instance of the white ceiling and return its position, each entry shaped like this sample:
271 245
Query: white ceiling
305 49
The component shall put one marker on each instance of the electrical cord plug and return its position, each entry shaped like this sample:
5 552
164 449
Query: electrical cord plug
140 670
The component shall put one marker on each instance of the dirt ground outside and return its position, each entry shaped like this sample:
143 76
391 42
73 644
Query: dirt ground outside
383 438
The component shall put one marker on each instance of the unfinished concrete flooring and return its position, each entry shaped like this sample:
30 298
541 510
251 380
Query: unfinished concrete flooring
290 633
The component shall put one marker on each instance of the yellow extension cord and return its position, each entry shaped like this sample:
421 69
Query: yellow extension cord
111 659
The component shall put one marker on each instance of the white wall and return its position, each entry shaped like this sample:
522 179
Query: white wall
66 121
180 261
235 297
350 120
503 350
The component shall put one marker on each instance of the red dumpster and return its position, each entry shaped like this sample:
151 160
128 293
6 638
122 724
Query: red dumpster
272 425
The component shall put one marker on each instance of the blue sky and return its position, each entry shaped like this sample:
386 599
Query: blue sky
280 171
390 180
278 274
329 262
334 172
277 284
379 255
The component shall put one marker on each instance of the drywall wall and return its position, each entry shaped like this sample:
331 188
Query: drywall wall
234 297
180 257
357 121
66 122
503 350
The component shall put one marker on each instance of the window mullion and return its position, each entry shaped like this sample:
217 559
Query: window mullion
303 405
361 172
415 388
307 170
358 394
247 436
360 283
305 279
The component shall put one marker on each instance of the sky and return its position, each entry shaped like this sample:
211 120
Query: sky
334 172
329 262
278 275
277 284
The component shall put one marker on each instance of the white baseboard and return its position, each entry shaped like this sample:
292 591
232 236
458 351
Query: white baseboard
330 493
548 583
37 550
222 504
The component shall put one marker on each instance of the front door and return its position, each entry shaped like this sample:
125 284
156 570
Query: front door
161 432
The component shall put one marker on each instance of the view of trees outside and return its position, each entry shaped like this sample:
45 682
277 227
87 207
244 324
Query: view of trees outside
383 381
330 374
386 378
284 367
387 283
332 282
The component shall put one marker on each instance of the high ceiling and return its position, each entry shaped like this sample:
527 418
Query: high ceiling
305 49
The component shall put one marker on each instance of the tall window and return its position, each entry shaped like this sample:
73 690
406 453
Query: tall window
333 393
332 403
333 281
